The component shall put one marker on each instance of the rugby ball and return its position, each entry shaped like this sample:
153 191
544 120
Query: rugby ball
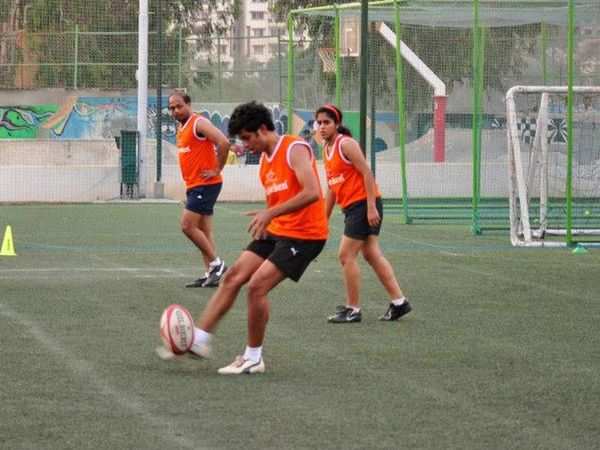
177 329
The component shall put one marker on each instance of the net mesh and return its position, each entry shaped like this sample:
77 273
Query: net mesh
541 128
68 79
68 89
519 43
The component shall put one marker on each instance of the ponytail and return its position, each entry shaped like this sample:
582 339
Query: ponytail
344 130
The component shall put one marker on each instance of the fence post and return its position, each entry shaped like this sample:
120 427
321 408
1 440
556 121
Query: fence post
290 93
76 68
338 59
219 74
280 67
179 56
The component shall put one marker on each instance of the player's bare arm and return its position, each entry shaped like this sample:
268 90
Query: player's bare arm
329 202
353 153
213 134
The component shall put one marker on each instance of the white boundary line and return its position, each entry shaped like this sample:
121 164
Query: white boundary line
162 427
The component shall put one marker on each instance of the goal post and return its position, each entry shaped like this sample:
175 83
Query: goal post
554 188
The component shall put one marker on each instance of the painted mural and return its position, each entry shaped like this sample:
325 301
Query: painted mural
104 117
23 122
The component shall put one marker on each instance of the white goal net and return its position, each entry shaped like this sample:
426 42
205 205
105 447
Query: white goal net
553 192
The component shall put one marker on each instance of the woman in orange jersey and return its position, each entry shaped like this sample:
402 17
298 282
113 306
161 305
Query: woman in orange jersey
287 235
352 186
203 151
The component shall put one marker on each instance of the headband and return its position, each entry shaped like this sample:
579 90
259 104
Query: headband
333 109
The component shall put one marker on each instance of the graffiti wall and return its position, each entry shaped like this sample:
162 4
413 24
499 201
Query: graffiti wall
23 122
102 117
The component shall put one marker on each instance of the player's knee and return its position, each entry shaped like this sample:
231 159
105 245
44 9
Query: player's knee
233 277
256 290
186 226
371 256
345 257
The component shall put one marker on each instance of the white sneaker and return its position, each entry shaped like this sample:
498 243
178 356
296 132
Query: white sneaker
243 366
165 354
201 351
198 351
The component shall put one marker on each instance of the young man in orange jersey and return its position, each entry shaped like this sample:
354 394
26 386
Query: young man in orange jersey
287 235
352 186
203 151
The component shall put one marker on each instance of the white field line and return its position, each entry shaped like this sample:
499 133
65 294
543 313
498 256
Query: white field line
121 272
95 269
162 427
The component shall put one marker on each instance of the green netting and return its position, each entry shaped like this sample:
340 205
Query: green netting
478 50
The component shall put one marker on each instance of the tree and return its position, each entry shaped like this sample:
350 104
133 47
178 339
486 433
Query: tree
49 27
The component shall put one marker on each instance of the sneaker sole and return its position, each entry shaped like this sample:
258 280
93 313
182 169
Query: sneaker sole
167 355
247 371
384 319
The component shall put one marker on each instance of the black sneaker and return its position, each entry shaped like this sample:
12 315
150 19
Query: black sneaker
345 315
394 312
215 274
198 282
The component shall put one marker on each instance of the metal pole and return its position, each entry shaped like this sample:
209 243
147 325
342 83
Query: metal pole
142 93
290 94
475 226
76 68
219 74
280 66
544 47
401 113
373 77
159 93
570 72
338 59
179 56
364 71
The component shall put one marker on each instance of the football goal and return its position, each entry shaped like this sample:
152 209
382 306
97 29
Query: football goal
554 165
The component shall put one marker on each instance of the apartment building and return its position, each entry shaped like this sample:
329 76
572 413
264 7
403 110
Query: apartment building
255 38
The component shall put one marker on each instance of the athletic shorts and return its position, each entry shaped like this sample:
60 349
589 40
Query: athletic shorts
291 256
202 199
356 225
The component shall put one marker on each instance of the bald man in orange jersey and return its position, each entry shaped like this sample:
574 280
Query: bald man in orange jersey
203 151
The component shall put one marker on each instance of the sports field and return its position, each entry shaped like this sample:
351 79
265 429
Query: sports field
501 351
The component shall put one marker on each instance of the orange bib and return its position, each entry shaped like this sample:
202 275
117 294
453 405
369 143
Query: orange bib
343 179
280 184
196 153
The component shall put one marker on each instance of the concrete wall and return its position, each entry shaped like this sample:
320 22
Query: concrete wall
84 171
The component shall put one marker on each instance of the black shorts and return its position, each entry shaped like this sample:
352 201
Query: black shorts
356 225
202 199
291 256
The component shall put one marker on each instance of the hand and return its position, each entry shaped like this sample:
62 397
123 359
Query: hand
209 173
373 216
258 225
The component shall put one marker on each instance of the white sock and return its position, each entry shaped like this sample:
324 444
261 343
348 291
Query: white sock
215 262
399 301
201 336
354 308
253 353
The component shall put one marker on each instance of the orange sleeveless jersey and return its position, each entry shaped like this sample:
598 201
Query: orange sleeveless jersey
281 184
196 153
343 179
